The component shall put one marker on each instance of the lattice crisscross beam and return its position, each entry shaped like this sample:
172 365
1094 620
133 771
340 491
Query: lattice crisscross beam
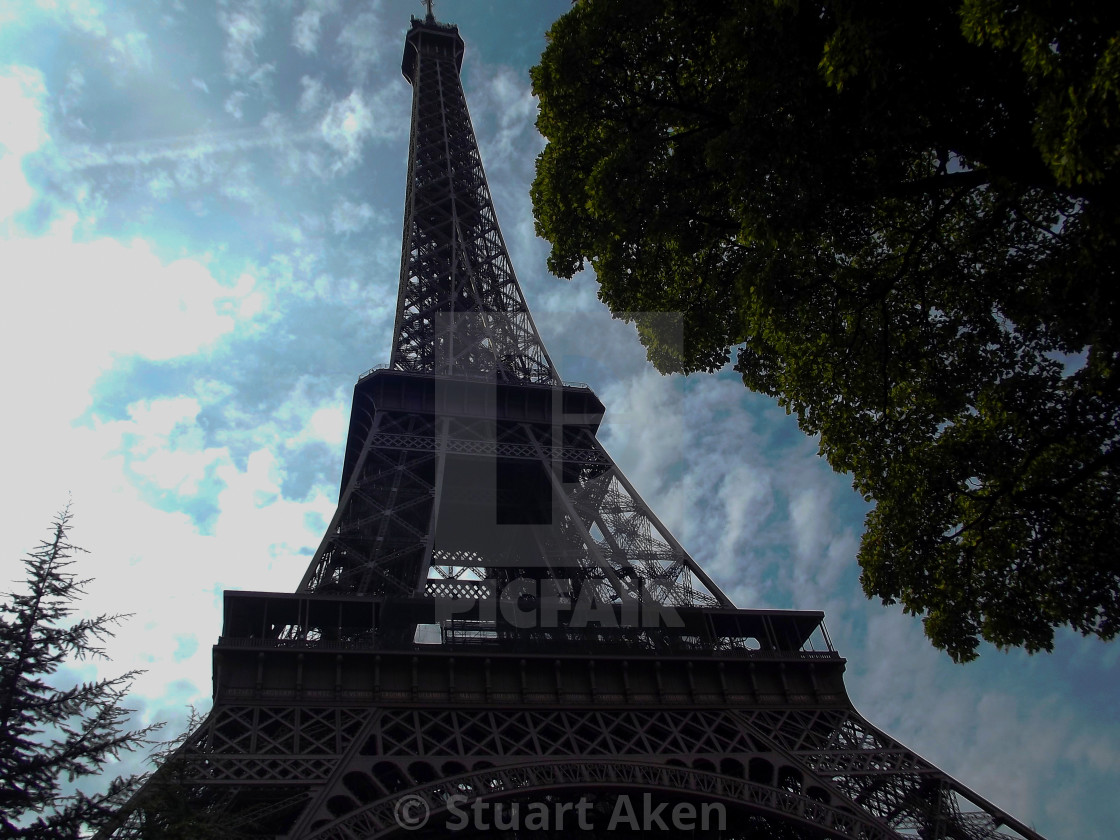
882 776
603 780
460 309
381 532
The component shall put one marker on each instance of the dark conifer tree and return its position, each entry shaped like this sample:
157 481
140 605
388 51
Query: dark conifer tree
53 736
171 805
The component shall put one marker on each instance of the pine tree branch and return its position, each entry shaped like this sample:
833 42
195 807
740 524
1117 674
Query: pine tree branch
49 734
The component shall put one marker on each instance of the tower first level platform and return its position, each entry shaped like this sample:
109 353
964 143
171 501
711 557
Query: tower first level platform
323 725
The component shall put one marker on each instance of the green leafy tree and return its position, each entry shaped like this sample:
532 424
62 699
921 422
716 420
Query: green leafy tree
902 219
52 736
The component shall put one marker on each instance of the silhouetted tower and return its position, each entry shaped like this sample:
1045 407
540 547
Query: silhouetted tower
495 614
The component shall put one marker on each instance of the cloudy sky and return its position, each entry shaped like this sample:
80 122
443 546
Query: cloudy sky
200 221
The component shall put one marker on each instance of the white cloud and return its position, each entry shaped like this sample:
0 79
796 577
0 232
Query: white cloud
746 495
163 416
84 15
345 127
161 186
122 43
646 423
515 108
74 306
15 193
22 132
167 447
348 217
329 425
261 77
311 94
72 92
244 26
823 544
256 521
388 103
307 25
238 182
156 563
131 49
360 42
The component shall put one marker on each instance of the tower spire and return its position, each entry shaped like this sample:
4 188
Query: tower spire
460 309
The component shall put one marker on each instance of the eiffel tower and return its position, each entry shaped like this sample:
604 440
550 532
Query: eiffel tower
496 626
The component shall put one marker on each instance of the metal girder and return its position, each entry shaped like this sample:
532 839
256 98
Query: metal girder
386 517
459 307
353 764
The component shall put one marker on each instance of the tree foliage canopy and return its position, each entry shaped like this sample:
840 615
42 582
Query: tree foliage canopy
52 736
902 219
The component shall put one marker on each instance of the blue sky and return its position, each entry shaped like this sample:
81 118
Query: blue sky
200 223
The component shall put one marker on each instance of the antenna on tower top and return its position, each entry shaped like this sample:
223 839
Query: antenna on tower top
430 18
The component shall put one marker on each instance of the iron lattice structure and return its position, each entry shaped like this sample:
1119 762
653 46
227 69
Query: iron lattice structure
495 614
460 310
